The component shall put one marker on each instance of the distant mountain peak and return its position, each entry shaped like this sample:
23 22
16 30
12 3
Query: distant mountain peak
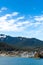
2 36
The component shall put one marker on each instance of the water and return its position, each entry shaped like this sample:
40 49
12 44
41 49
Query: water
20 61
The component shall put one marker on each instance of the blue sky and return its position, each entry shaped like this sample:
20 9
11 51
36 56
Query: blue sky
22 18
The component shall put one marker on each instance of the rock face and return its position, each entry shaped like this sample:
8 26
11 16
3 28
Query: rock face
38 55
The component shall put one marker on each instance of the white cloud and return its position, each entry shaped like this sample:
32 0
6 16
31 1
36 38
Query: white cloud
32 26
3 9
22 17
17 24
12 14
39 18
24 23
15 13
10 25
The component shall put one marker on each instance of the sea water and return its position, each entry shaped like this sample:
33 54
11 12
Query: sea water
20 61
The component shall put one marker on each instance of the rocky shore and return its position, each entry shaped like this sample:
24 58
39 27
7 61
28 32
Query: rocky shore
22 54
17 53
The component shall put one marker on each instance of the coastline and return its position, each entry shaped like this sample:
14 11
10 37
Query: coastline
17 54
24 54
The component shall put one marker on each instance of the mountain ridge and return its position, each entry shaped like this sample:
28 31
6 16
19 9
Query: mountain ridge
9 43
19 40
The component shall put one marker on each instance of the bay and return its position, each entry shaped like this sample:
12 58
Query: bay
20 61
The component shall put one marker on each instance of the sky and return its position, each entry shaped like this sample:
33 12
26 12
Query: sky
23 18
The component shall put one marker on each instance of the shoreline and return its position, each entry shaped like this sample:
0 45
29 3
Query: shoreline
24 54
17 54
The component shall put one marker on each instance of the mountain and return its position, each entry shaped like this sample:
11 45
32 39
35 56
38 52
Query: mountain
20 42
